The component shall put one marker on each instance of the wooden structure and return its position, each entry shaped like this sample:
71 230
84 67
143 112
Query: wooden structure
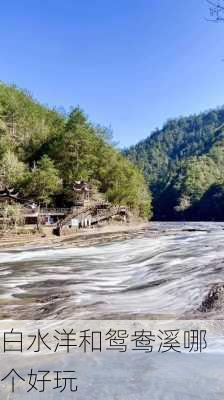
81 192
92 214
90 209
45 216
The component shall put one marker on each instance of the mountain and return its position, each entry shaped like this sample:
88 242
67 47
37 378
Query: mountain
43 151
183 164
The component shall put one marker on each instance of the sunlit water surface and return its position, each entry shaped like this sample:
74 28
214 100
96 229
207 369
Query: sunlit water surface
163 273
166 271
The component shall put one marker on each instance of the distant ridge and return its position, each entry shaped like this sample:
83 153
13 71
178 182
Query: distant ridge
183 164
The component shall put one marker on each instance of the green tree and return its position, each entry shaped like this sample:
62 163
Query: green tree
63 148
44 182
13 171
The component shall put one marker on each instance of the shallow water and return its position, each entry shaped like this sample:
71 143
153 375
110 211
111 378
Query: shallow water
165 272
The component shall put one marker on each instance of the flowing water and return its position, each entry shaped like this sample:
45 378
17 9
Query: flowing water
165 272
161 274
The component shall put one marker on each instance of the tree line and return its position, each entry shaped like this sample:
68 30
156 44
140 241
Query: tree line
43 151
183 164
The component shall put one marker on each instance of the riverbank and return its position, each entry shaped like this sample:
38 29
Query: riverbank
85 237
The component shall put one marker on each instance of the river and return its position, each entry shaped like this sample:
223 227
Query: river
164 272
153 277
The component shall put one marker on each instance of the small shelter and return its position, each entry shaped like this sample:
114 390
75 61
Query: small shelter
82 192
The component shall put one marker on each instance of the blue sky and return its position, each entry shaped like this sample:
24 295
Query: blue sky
131 64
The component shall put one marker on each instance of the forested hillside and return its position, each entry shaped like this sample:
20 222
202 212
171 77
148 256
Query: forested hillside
184 166
42 153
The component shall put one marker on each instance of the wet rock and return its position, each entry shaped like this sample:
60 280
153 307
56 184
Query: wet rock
214 300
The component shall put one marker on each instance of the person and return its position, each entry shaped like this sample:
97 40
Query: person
33 207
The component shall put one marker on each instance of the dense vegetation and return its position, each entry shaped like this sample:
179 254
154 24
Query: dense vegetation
42 153
183 164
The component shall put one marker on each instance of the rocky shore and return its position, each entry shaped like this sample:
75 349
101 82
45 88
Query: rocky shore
85 237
